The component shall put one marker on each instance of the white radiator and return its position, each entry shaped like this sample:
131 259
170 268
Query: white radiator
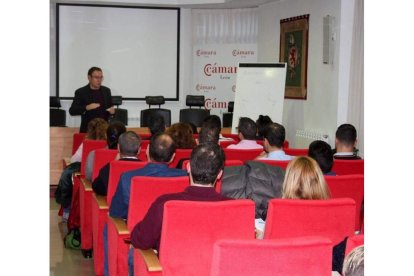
304 137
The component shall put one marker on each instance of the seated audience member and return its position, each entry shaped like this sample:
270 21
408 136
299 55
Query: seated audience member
262 123
216 121
247 134
205 167
304 180
321 152
156 125
345 141
182 135
96 131
209 133
354 262
128 148
274 137
114 130
160 153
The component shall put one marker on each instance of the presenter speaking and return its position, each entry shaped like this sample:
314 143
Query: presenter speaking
93 100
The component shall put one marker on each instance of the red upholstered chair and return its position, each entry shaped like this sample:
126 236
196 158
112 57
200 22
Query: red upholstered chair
144 135
344 167
290 218
77 140
277 163
189 231
283 257
225 144
285 144
144 191
85 194
142 155
180 154
243 155
351 186
353 242
100 208
296 152
235 137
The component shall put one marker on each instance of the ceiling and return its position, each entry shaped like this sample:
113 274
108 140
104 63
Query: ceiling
194 4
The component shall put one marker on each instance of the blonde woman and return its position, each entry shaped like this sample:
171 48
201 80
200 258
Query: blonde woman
304 180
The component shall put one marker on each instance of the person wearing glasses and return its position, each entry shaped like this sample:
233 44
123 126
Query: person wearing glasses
93 100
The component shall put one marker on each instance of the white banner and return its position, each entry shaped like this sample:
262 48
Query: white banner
215 72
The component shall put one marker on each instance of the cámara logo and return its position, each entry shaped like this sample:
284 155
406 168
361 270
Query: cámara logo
213 103
203 87
205 52
210 69
237 52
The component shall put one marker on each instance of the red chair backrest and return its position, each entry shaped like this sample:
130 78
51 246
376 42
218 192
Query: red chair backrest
145 190
353 242
277 163
180 154
344 167
88 146
290 218
225 144
116 168
142 155
351 186
235 137
194 227
296 152
77 140
102 157
144 135
243 155
285 144
286 257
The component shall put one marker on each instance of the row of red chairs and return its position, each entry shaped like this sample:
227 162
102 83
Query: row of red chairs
87 235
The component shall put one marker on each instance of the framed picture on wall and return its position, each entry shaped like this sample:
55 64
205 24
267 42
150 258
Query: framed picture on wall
294 33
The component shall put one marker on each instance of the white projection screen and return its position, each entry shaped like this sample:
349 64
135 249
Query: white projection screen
136 47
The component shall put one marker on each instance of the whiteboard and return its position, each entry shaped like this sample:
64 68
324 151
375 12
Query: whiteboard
136 47
260 90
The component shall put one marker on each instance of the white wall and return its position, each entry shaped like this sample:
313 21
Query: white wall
319 112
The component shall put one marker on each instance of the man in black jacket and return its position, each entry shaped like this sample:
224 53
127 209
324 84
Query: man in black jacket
93 100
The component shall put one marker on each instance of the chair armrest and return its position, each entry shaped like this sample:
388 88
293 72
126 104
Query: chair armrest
120 225
151 260
86 184
101 200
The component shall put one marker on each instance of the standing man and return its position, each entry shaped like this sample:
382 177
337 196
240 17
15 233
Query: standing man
93 100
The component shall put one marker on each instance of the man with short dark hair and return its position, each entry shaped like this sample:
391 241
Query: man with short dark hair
205 167
93 100
274 137
160 153
247 134
128 149
209 133
322 153
214 121
345 141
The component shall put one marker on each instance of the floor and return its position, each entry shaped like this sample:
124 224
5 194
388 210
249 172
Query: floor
64 262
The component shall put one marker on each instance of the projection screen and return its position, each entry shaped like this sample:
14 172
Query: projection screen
136 47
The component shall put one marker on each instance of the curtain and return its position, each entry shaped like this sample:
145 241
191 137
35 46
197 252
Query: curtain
225 26
356 87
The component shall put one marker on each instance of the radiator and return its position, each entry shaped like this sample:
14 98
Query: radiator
304 137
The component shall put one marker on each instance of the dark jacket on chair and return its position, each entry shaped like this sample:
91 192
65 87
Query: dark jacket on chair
254 180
